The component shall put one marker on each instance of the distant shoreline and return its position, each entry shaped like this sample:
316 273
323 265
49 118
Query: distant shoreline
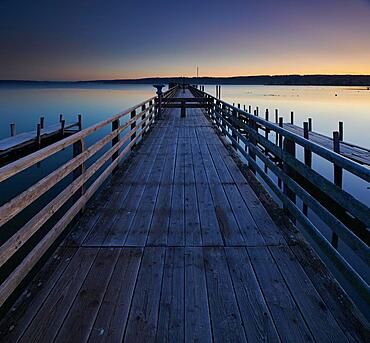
277 80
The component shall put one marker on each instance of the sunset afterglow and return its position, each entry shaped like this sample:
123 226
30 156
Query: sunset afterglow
92 40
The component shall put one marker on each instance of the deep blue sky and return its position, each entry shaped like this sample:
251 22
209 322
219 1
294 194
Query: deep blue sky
115 39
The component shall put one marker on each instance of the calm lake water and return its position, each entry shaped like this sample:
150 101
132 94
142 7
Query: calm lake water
327 106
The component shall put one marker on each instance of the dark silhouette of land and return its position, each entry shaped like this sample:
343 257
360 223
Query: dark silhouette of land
302 80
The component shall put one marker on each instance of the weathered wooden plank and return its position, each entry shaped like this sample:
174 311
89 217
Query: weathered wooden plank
211 234
227 223
101 228
355 327
246 223
46 323
137 236
267 228
192 215
158 231
210 228
82 314
176 230
118 232
25 308
197 318
257 319
226 321
318 317
171 321
143 317
287 317
113 313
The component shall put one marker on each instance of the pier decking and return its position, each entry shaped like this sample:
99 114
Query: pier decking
179 248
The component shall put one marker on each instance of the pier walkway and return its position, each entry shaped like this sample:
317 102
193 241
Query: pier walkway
179 248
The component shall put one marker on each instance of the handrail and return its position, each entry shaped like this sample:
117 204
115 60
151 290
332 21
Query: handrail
141 118
240 126
328 154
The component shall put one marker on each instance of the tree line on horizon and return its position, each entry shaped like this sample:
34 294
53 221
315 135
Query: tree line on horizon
304 80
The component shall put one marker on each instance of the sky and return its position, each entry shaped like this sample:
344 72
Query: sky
111 39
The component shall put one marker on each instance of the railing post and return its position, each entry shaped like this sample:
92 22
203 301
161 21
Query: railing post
133 125
338 179
307 159
13 131
143 107
277 122
280 143
289 147
115 140
234 135
78 148
252 141
42 122
159 100
150 110
267 131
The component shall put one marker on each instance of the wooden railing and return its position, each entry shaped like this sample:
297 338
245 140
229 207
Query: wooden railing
140 118
347 217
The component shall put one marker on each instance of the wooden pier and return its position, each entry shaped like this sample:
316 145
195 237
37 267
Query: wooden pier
178 247
356 153
26 142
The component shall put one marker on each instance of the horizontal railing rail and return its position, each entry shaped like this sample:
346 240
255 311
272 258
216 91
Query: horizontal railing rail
297 178
140 120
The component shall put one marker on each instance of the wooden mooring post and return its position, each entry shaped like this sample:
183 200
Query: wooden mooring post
13 130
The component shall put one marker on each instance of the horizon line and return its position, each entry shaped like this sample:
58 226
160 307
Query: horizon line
186 77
